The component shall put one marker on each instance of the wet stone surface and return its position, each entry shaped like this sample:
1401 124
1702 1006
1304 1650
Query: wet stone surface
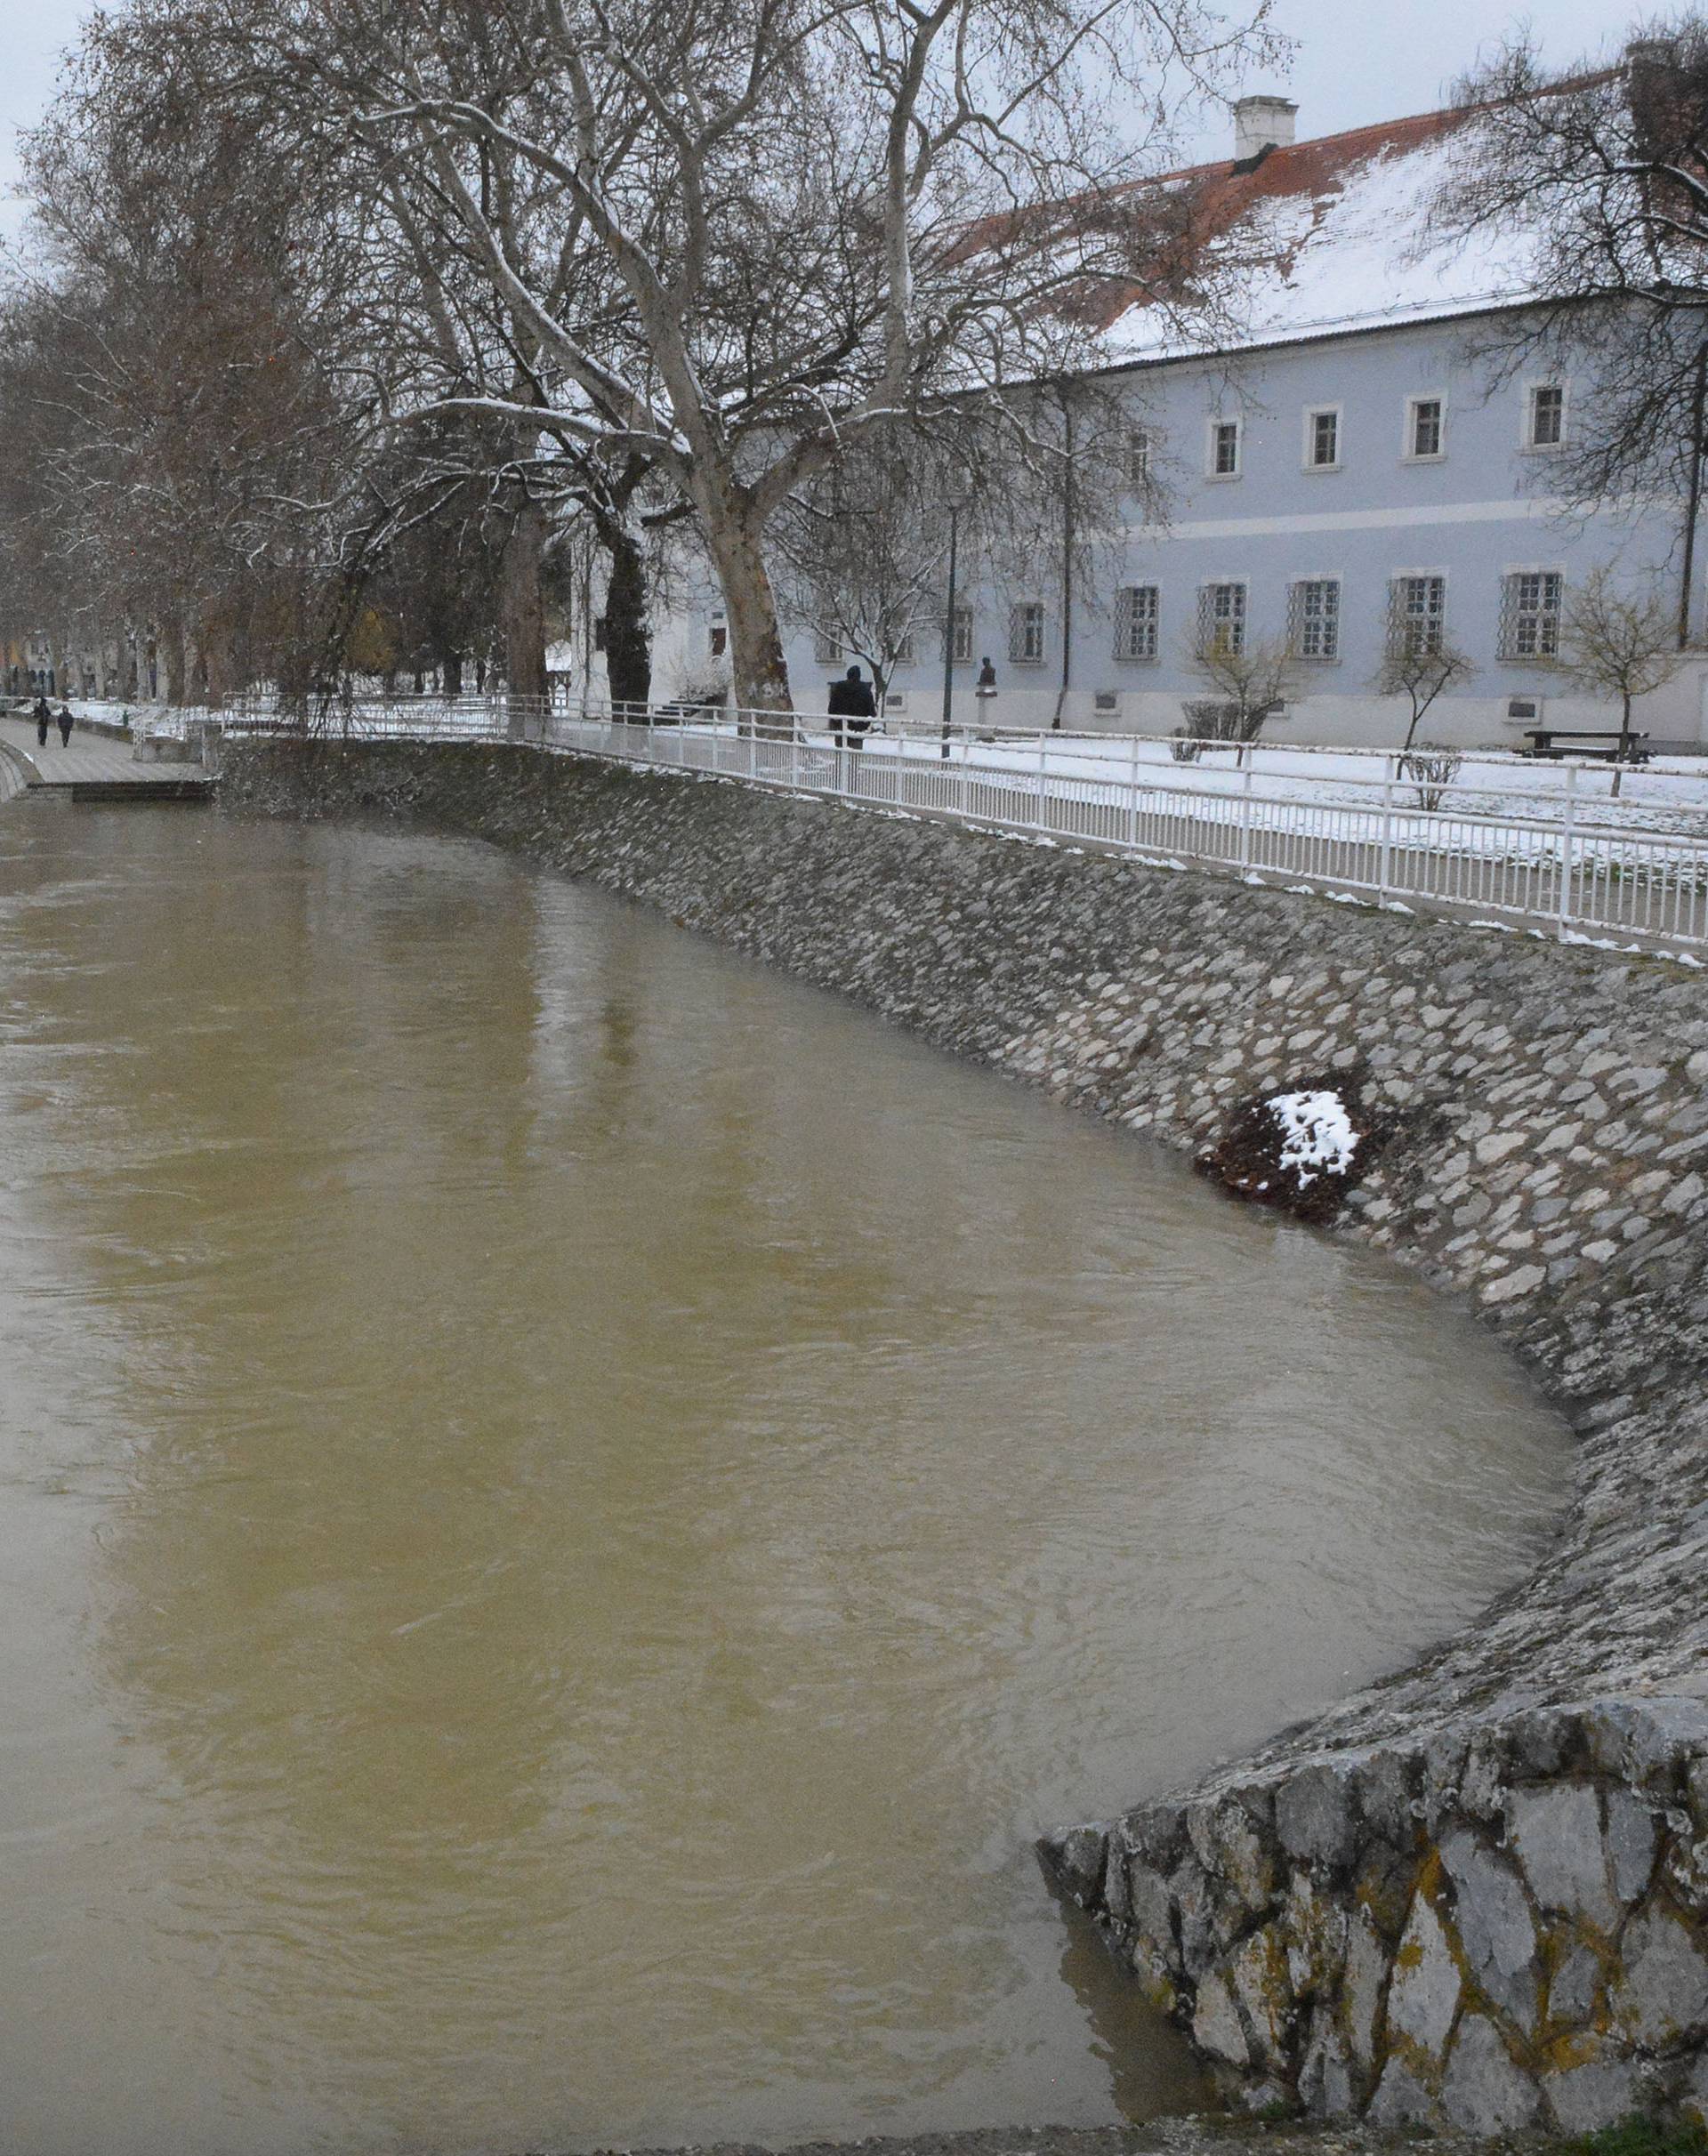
1476 1894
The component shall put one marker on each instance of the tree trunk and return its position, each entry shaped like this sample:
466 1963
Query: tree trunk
524 612
628 641
760 675
171 649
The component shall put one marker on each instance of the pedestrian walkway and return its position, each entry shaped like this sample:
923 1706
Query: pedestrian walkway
93 768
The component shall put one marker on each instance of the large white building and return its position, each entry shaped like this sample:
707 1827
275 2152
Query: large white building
1345 468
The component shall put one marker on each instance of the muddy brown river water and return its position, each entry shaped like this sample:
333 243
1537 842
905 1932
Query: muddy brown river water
569 1506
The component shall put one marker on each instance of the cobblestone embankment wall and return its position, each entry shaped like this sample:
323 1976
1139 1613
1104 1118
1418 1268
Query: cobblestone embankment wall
1477 1892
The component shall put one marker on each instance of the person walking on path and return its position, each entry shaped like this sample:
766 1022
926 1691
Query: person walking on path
65 724
852 707
41 715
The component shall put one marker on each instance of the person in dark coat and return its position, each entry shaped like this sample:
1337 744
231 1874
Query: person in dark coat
65 725
42 716
852 708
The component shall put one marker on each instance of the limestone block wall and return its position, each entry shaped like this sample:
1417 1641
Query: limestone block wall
1477 1891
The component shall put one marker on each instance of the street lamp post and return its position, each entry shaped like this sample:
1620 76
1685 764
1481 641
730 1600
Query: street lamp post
948 626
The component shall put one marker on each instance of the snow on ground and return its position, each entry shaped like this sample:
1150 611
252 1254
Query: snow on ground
1316 1134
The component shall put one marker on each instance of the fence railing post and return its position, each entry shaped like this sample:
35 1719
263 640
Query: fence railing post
1566 868
1246 819
1043 755
1132 794
1385 864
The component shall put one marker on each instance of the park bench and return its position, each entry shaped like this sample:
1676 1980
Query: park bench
1542 739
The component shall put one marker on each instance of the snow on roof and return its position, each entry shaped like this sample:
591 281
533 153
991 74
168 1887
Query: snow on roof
1317 238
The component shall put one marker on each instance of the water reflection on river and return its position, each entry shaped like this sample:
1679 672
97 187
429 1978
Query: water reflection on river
569 1506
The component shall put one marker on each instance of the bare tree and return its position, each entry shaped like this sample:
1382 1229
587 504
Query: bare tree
729 241
1595 189
1419 671
1616 646
1250 679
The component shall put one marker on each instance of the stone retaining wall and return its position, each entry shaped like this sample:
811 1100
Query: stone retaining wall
1477 1891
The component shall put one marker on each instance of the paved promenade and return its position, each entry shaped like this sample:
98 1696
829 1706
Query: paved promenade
90 767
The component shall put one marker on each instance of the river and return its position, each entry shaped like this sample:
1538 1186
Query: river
571 1506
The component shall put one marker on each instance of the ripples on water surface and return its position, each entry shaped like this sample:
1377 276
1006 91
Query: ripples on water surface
571 1506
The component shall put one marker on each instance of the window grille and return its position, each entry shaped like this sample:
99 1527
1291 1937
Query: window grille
1325 438
1417 616
1136 615
1026 633
1547 428
904 651
1426 426
962 651
1222 618
1314 619
1224 460
1530 609
1139 456
826 647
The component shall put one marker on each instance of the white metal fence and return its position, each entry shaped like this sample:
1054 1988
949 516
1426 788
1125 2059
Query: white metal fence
1560 855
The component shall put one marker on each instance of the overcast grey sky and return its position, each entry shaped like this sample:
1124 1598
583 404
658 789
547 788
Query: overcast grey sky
1357 60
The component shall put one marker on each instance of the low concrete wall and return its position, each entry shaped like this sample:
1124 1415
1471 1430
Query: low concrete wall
1477 1891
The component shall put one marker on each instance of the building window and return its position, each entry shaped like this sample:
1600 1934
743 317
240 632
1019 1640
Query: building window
1314 618
826 647
599 633
1323 438
1222 618
1530 605
1417 616
904 651
1139 456
1424 428
1224 449
1026 633
1544 425
1136 616
717 637
961 651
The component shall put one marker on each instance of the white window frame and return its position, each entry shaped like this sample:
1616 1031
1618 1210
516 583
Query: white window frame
960 637
1393 643
1313 412
1126 615
1239 615
1140 449
1527 415
826 647
1212 428
1507 619
1409 453
1296 591
1018 637
717 626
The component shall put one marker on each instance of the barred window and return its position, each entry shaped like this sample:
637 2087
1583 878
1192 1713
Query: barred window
1530 607
1314 618
1136 616
1026 633
826 647
1222 618
961 632
1224 449
1323 438
1423 434
1138 456
1546 425
1417 616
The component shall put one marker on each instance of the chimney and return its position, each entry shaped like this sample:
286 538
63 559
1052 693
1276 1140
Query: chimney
1261 124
